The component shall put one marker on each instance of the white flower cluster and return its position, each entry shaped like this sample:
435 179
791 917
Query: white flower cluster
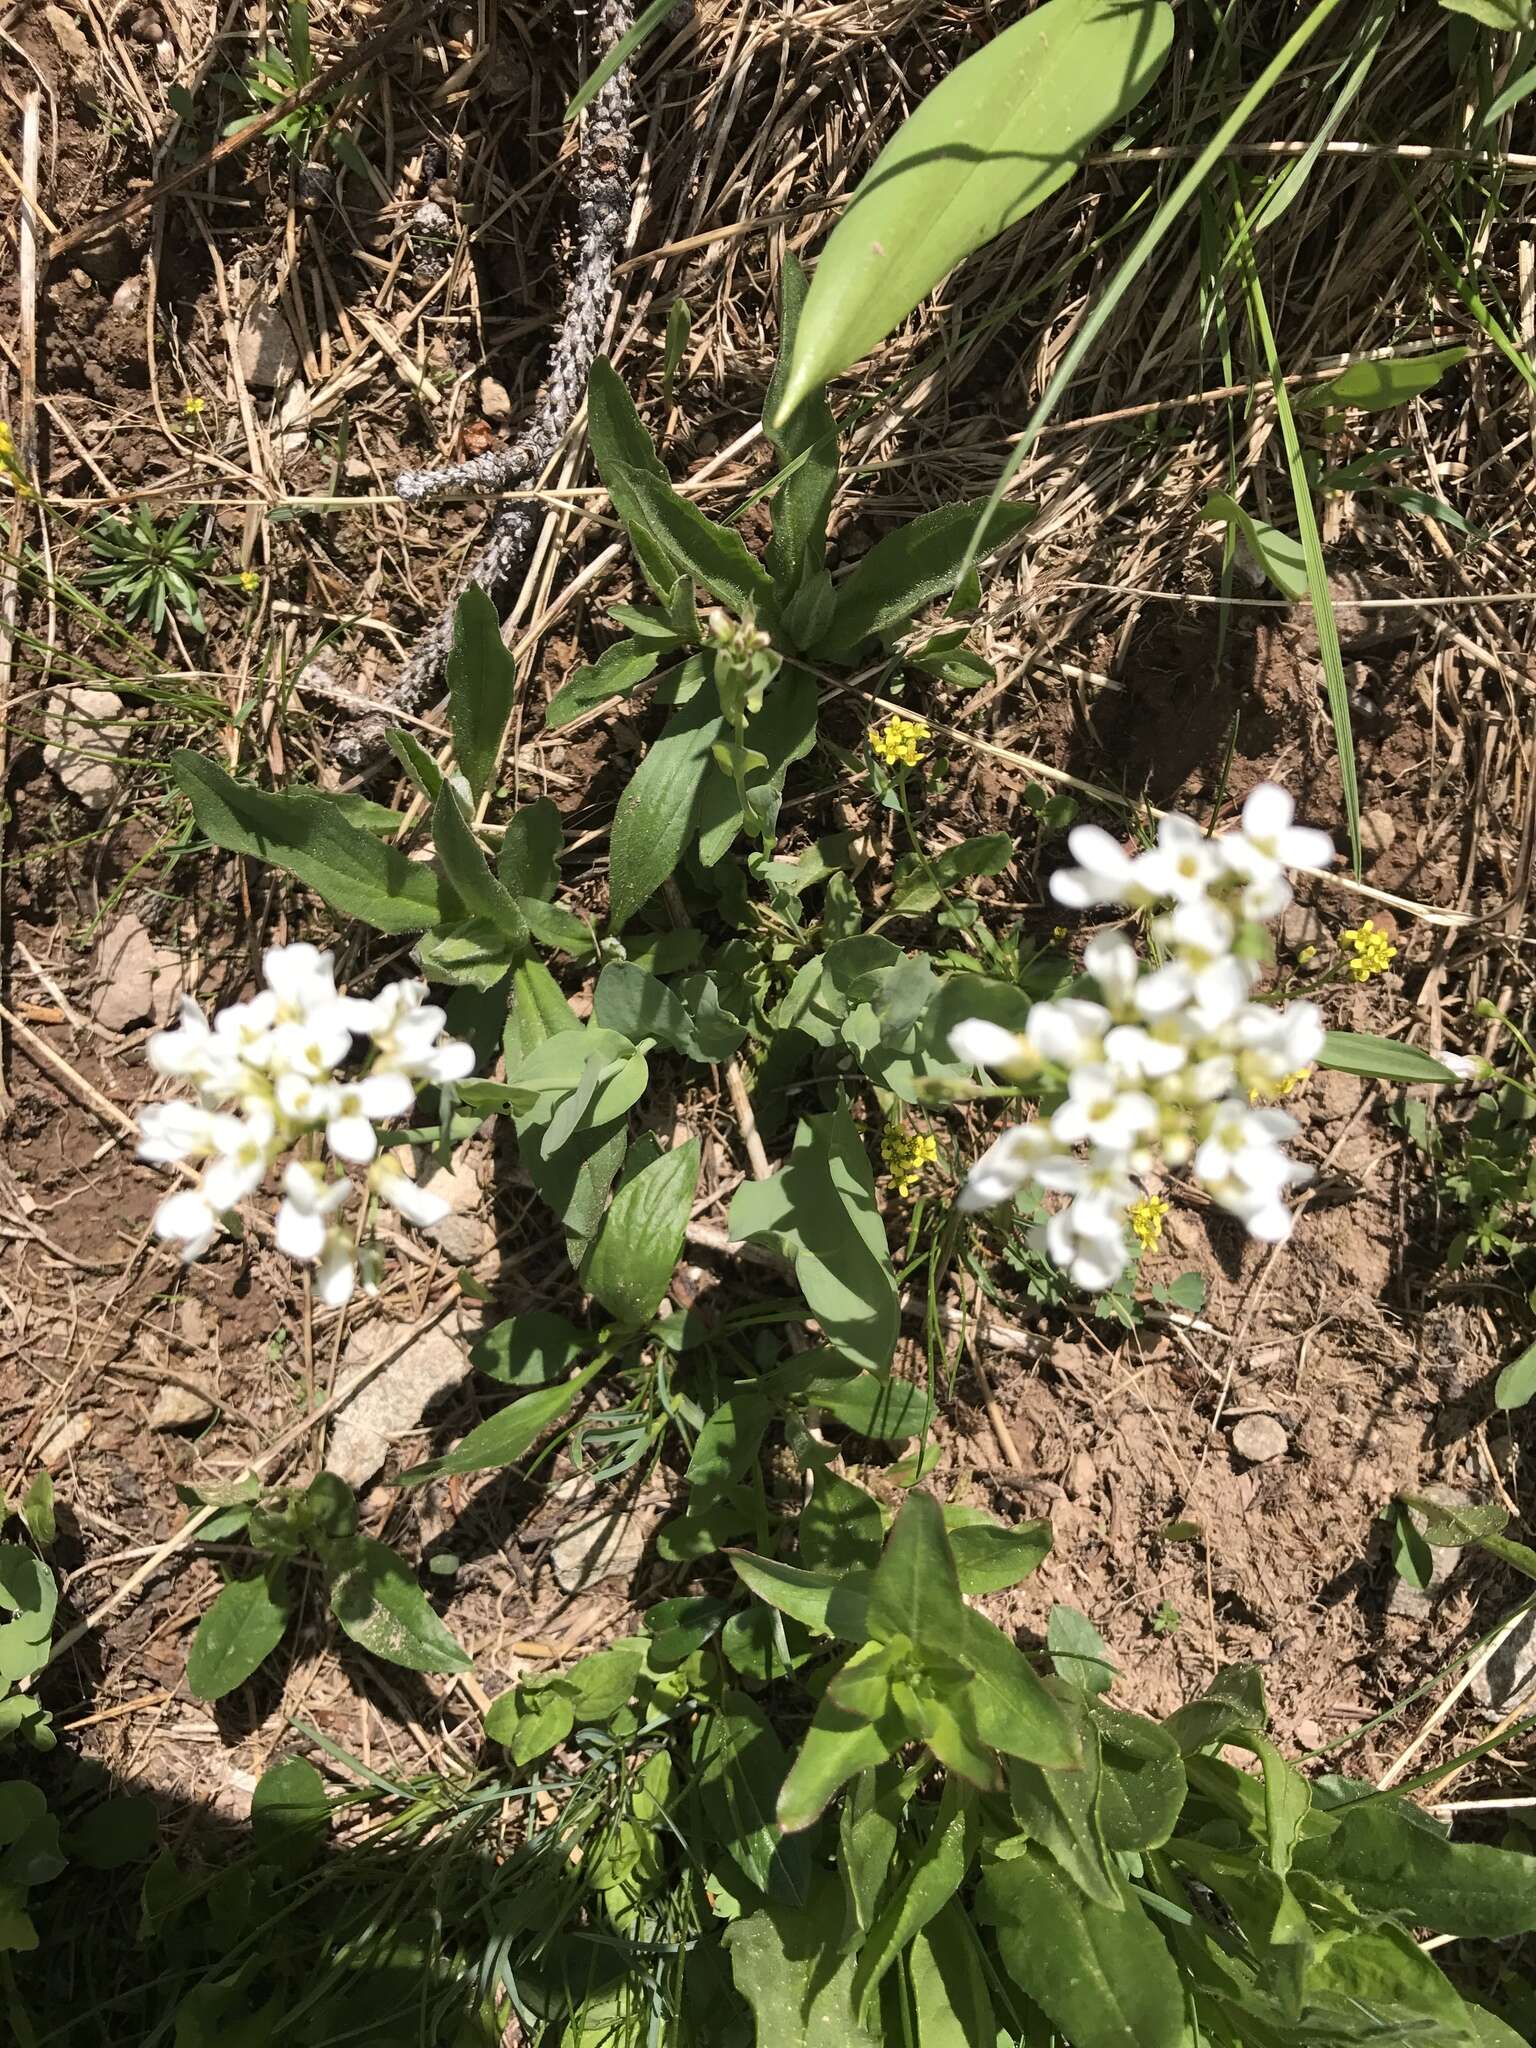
1169 1065
267 1076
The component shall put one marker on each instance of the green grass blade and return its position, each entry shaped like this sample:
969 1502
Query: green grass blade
621 52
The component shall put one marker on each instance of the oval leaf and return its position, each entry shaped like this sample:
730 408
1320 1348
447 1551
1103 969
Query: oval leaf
380 1606
503 1438
1007 128
638 1241
242 1628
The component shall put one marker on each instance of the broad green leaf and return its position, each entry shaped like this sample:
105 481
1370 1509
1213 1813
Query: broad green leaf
726 1447
503 1438
617 670
1451 1526
639 1240
528 860
1004 130
806 447
874 1404
1410 1553
1059 1810
740 1766
1278 554
1234 1700
1078 1653
989 1558
115 1833
1513 1388
837 1746
789 1965
529 1350
840 1527
908 569
1104 1978
651 823
302 831
465 864
290 1814
920 883
629 1000
240 1630
643 497
1505 14
1377 386
832 1603
1380 1059
1014 1711
1409 1870
1142 1783
950 1997
933 1877
869 1822
1287 1800
476 954
822 1206
599 1684
37 1511
709 1525
914 1591
380 1605
482 685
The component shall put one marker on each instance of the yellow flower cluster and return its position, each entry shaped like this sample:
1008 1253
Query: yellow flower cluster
900 741
194 407
1370 952
1146 1221
1283 1086
10 461
907 1156
249 581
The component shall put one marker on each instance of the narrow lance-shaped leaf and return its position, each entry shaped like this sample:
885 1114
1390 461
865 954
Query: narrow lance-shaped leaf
1002 132
503 1438
650 826
1380 1059
482 683
908 569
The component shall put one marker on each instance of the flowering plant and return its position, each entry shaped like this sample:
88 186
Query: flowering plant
275 1077
1170 1063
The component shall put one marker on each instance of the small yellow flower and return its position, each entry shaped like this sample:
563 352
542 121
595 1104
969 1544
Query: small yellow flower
10 461
907 1156
1372 952
900 741
194 407
1146 1221
1306 956
1283 1086
249 582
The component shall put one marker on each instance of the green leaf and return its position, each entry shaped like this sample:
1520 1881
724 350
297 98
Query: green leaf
1377 386
1380 1059
613 61
950 1998
644 498
529 1350
1078 1653
418 764
821 1208
1394 1862
655 811
290 1814
1142 1781
242 1628
380 1605
115 1834
503 1438
1410 1553
806 447
832 1603
920 883
37 1511
1014 1711
840 1526
876 1405
933 1877
1279 555
989 1558
304 833
639 1240
1059 1810
914 1591
726 1447
528 862
790 1966
482 686
629 1000
616 671
1505 14
464 862
909 568
993 140
740 1766
1451 1527
837 1746
1104 1978
474 955
1513 1388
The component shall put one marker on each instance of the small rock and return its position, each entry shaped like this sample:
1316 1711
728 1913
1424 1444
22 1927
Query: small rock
1259 1438
357 469
495 400
66 33
1082 1476
128 297
1377 833
1309 1734
601 1540
466 1235
1509 1676
178 1406
1299 926
393 1404
269 355
67 1436
138 977
75 743
107 260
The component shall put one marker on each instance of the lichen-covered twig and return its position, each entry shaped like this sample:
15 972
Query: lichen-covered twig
603 197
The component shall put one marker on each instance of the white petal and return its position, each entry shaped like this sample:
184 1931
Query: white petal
352 1138
1111 959
983 1044
1304 847
416 1204
300 976
1268 812
228 1181
300 1233
186 1216
336 1274
172 1131
385 1095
